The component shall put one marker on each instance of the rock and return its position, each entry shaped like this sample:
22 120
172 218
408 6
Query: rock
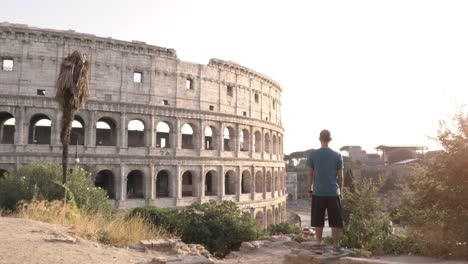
182 260
257 243
308 244
292 244
349 260
279 238
233 254
62 239
138 247
247 246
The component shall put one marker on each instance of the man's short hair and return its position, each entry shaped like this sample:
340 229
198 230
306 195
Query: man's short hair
325 135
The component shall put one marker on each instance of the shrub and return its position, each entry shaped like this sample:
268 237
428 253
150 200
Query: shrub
160 217
220 228
284 229
43 182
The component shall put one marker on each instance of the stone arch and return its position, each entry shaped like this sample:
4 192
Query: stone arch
3 173
259 220
163 132
275 145
267 142
187 184
244 140
188 138
268 181
136 133
7 128
135 184
40 131
211 183
163 184
257 142
229 136
104 179
77 135
259 182
106 132
230 183
246 179
269 217
211 137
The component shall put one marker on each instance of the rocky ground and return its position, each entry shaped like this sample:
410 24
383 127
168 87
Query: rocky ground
25 241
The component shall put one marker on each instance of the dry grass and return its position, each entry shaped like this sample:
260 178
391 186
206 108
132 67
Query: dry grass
117 230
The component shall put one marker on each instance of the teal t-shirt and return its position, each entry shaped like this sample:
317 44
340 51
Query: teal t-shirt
325 162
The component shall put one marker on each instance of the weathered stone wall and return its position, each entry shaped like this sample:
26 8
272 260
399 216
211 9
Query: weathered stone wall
221 95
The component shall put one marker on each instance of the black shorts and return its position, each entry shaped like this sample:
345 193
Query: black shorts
333 206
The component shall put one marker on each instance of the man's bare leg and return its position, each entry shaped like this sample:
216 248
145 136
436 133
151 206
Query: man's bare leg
318 234
336 235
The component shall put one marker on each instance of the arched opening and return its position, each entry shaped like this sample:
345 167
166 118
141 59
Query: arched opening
244 140
7 128
3 173
162 135
187 136
136 133
277 216
228 136
187 184
259 182
267 143
257 142
268 182
106 132
210 138
77 133
269 218
230 183
275 145
211 183
135 185
245 187
280 146
162 184
105 180
259 220
40 129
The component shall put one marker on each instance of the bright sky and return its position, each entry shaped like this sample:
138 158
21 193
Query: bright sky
373 72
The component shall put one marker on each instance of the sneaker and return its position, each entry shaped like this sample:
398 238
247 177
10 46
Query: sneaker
337 250
317 249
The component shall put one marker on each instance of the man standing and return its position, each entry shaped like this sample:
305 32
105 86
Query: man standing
325 188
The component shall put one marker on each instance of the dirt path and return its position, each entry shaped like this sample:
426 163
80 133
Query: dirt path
25 241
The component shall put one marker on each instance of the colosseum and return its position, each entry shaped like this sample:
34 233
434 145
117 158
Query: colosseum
155 131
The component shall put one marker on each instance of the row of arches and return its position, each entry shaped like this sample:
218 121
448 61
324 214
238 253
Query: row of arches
190 184
106 134
270 215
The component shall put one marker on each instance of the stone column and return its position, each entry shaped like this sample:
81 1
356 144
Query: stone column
201 195
178 184
177 135
237 141
262 143
20 124
90 136
122 187
221 139
201 137
221 182
252 184
123 131
264 182
265 216
55 129
238 183
152 183
150 137
251 141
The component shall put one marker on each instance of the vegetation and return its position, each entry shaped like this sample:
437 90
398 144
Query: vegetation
42 182
284 229
367 223
221 228
435 209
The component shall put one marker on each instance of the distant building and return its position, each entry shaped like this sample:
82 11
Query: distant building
355 153
398 153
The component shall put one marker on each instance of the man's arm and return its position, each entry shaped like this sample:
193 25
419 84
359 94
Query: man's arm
310 180
340 180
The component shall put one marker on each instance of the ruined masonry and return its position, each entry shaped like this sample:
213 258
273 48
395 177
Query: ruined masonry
155 131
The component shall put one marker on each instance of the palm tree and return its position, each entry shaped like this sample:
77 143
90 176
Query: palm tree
72 92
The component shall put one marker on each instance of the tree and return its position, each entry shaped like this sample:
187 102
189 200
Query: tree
72 92
436 208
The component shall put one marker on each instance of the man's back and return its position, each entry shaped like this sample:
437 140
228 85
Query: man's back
325 162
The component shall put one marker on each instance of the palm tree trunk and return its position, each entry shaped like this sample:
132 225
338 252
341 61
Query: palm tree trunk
68 116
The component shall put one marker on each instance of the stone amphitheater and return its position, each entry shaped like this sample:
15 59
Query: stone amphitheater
155 131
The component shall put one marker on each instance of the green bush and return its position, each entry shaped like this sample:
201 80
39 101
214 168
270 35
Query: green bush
43 182
284 229
220 228
160 217
367 224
